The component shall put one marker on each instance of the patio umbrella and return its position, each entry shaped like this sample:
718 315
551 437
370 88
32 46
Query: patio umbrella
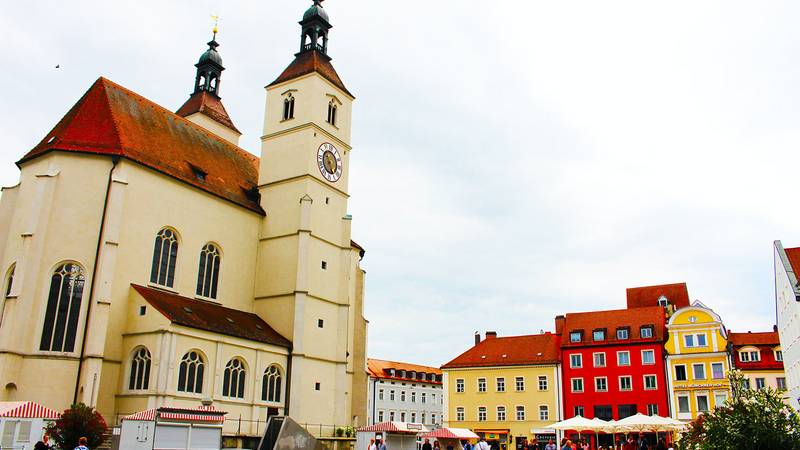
577 423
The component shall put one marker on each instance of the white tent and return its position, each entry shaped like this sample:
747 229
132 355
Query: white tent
641 422
577 423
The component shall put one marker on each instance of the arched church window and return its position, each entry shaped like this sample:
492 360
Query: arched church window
140 370
9 280
213 84
190 373
233 380
165 256
208 272
288 107
63 309
332 113
271 384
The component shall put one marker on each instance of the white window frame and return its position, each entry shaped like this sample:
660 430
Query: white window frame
519 384
697 397
541 379
546 410
603 339
572 384
630 383
482 410
594 359
481 384
694 371
686 396
655 382
573 334
653 352
501 413
459 385
626 332
519 409
652 411
572 364
380 394
649 331
459 414
685 372
500 384
720 394
623 352
778 354
722 376
596 379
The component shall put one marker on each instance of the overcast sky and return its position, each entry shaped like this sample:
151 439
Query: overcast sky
512 160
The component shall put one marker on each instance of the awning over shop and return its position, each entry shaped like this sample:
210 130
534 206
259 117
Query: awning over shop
451 433
199 414
395 427
26 410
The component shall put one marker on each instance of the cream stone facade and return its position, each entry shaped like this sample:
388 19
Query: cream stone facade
288 280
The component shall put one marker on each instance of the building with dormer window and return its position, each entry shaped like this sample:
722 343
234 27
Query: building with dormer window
404 392
759 357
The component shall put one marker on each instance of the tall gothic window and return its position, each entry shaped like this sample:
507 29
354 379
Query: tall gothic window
190 373
332 113
165 255
271 385
63 309
208 273
233 381
288 107
140 370
10 280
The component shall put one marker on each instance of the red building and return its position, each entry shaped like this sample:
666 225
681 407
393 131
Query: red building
760 358
613 363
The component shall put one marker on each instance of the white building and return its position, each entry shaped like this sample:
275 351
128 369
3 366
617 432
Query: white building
787 298
404 392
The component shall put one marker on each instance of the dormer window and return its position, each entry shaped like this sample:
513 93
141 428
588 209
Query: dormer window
199 173
332 112
749 355
288 107
623 333
391 372
646 332
576 336
402 374
663 301
778 355
599 335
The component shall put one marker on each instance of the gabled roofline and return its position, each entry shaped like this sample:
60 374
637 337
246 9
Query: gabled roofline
787 266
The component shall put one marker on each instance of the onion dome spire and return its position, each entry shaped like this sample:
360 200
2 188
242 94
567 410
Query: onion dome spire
315 26
209 68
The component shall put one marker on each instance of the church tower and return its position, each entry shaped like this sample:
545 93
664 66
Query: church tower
204 106
309 283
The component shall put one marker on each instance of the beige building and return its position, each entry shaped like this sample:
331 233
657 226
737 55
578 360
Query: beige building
148 260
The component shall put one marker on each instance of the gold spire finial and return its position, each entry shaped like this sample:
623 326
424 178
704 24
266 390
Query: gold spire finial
215 18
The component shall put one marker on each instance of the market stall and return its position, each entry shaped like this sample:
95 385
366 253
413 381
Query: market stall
22 424
396 435
173 428
451 437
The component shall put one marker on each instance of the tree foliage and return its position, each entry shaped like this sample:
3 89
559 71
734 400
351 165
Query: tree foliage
750 419
76 422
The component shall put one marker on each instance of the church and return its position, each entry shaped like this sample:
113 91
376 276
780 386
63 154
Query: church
148 260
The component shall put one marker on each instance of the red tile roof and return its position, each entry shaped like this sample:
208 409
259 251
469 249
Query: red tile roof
613 319
769 338
510 351
308 62
793 254
380 369
208 104
677 294
112 120
210 317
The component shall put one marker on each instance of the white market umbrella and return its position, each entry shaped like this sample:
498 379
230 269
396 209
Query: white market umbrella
577 423
641 422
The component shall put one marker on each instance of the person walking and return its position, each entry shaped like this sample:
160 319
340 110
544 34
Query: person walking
82 444
379 443
551 445
482 444
372 445
436 445
427 445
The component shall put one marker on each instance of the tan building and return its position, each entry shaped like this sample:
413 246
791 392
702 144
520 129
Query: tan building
148 260
506 389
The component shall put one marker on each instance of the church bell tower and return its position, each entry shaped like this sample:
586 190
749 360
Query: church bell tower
308 284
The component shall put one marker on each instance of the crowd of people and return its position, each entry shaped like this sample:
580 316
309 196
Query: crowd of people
630 443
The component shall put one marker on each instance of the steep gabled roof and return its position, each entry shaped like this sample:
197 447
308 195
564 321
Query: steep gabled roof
677 294
308 62
766 338
793 254
510 351
610 320
112 120
209 104
210 317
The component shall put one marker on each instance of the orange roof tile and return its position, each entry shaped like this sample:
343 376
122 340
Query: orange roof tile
379 368
209 104
677 294
308 62
613 319
510 351
769 338
793 254
112 120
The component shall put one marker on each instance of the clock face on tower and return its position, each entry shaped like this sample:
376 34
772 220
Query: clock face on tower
329 162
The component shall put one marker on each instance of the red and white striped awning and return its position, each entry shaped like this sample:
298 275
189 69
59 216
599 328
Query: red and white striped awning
395 427
26 410
451 433
199 414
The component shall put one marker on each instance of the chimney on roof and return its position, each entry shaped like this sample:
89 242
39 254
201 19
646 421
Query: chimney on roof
775 328
560 322
477 337
491 334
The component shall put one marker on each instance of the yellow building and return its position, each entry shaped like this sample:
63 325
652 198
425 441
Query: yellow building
148 260
506 389
698 362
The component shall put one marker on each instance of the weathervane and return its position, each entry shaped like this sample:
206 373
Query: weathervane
215 18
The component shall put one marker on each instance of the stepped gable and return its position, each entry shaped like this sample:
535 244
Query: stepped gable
211 317
112 120
510 351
